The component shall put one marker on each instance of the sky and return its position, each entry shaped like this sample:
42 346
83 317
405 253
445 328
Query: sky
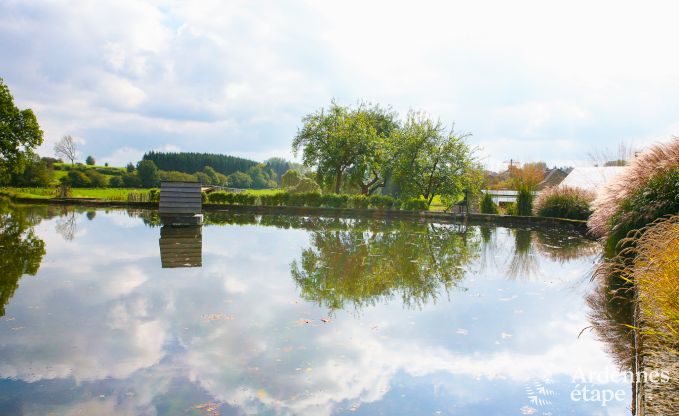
530 80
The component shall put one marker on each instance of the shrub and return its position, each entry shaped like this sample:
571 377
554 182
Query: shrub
564 202
645 191
221 197
291 178
281 198
415 204
488 206
312 199
267 199
97 180
305 185
524 202
76 179
359 201
296 200
381 201
335 200
511 209
115 182
244 199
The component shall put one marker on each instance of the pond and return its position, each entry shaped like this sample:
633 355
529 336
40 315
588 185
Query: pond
105 312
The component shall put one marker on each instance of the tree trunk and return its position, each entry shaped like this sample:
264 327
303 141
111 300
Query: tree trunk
338 181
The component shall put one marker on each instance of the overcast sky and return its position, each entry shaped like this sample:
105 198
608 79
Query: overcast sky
531 80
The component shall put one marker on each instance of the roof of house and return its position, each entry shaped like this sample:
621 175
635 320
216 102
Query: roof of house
553 178
592 179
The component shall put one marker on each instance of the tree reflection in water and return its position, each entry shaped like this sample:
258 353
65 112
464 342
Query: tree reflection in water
361 266
21 250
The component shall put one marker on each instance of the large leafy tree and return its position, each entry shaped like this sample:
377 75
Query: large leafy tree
372 167
20 133
333 141
432 160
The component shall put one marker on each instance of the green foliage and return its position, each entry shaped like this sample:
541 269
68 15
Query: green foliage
240 180
21 251
524 202
382 201
62 190
76 179
511 209
488 206
572 203
358 266
335 200
174 176
359 201
90 161
190 162
262 177
343 141
147 171
415 204
212 177
220 197
658 198
154 195
279 166
433 161
131 180
36 173
291 178
129 167
116 182
305 185
20 133
97 180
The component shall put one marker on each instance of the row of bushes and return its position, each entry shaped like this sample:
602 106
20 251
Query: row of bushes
315 199
556 202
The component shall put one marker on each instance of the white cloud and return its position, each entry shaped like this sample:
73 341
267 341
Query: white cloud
237 77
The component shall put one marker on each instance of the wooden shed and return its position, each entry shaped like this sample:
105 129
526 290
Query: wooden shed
180 203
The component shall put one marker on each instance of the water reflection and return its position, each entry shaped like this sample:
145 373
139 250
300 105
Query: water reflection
356 268
21 250
105 330
181 246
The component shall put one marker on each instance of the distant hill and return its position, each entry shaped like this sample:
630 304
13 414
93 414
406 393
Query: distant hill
190 162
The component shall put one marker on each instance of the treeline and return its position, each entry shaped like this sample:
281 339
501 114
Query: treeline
190 162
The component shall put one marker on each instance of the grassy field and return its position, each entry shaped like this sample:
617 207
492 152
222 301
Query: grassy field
108 194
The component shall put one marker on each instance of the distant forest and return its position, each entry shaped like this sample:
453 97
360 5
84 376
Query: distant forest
190 162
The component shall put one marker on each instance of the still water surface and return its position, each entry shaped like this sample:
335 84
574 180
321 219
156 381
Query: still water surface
107 313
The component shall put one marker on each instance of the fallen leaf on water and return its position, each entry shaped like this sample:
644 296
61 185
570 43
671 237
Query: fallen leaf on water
325 320
303 321
262 394
208 317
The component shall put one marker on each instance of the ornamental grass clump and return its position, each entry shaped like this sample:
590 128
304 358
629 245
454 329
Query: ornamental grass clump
648 189
656 273
564 202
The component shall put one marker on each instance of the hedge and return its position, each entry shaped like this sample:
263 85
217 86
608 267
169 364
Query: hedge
315 199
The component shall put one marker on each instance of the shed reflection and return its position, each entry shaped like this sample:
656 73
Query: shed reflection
181 246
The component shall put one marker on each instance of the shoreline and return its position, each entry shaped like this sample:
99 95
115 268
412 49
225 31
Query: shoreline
473 218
